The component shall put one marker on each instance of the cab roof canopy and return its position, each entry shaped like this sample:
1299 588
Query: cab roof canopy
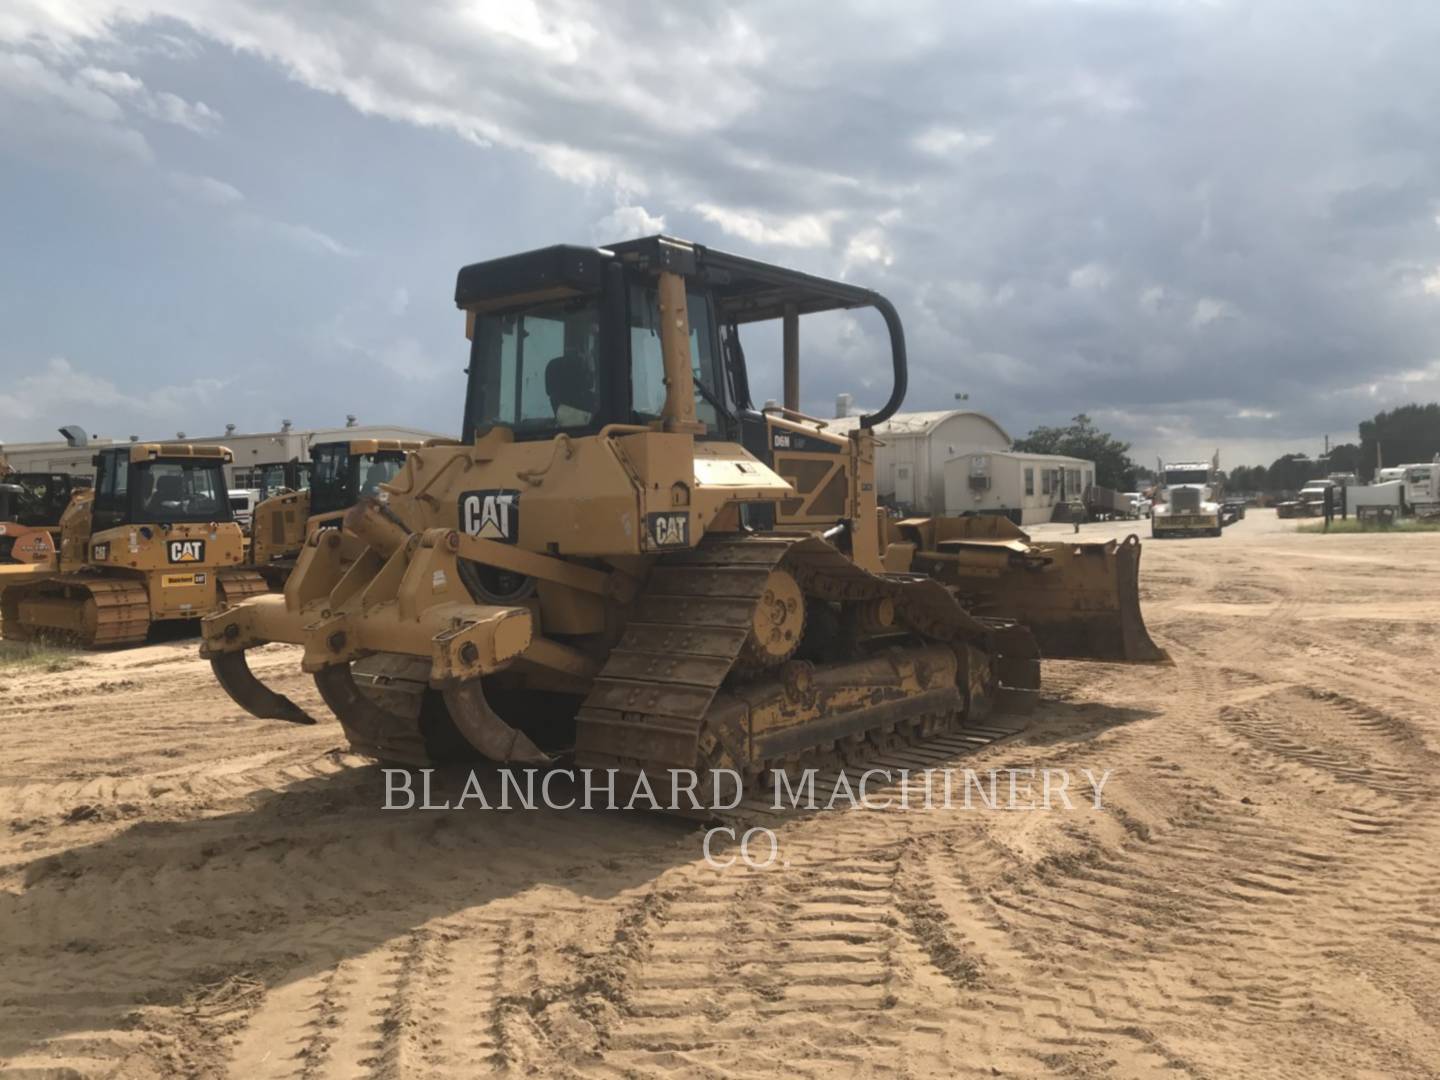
746 290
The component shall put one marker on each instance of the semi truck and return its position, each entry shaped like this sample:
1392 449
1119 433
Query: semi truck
1190 501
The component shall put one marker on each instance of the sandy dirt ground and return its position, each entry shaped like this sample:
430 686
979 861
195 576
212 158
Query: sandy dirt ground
185 890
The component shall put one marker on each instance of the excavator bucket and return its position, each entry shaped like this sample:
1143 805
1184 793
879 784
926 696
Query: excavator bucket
1081 601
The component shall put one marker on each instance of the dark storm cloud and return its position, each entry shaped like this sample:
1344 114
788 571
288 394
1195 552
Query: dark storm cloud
1201 221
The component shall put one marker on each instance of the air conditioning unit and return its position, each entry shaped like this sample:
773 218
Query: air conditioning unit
979 483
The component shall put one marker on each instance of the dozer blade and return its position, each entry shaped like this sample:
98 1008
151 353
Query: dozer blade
1085 603
1080 600
485 730
234 674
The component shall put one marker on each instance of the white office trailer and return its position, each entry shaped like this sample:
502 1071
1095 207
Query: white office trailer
251 449
1026 488
959 461
914 447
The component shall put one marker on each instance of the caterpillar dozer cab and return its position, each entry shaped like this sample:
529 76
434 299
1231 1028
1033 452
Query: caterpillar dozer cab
31 504
622 557
279 477
337 475
152 541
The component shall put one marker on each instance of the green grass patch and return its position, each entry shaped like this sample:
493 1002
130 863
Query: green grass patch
1354 525
33 657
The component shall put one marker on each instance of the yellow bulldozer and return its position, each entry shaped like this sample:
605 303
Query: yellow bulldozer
152 541
339 474
27 548
31 504
623 559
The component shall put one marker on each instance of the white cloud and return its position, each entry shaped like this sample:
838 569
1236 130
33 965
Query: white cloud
1254 414
1091 276
160 105
626 223
943 141
306 237
59 389
45 113
1430 283
1208 310
406 358
868 246
1152 298
757 227
206 189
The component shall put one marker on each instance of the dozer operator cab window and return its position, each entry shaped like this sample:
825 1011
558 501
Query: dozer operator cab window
179 491
338 478
272 478
162 492
647 366
536 371
377 469
41 497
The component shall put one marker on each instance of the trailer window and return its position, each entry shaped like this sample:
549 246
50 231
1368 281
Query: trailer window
1029 480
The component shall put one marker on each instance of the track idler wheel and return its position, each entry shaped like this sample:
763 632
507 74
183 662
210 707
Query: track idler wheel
233 673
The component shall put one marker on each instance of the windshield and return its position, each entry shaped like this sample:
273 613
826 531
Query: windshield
271 479
376 469
331 488
179 491
41 497
535 371
339 479
647 364
1186 476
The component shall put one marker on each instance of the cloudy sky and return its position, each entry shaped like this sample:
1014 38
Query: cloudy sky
1204 223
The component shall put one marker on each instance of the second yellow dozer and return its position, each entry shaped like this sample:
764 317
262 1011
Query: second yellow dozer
153 541
341 472
621 558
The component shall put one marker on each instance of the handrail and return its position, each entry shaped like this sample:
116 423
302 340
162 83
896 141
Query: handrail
796 414
897 356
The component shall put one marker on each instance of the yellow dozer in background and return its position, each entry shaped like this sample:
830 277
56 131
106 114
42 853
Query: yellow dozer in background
31 504
622 558
340 473
153 541
27 549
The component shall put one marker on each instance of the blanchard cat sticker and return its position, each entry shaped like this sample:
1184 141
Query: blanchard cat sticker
185 551
492 514
668 529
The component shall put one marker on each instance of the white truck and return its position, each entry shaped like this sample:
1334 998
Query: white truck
1190 501
1382 501
1422 488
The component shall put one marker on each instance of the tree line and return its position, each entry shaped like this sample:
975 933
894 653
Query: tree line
1399 436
